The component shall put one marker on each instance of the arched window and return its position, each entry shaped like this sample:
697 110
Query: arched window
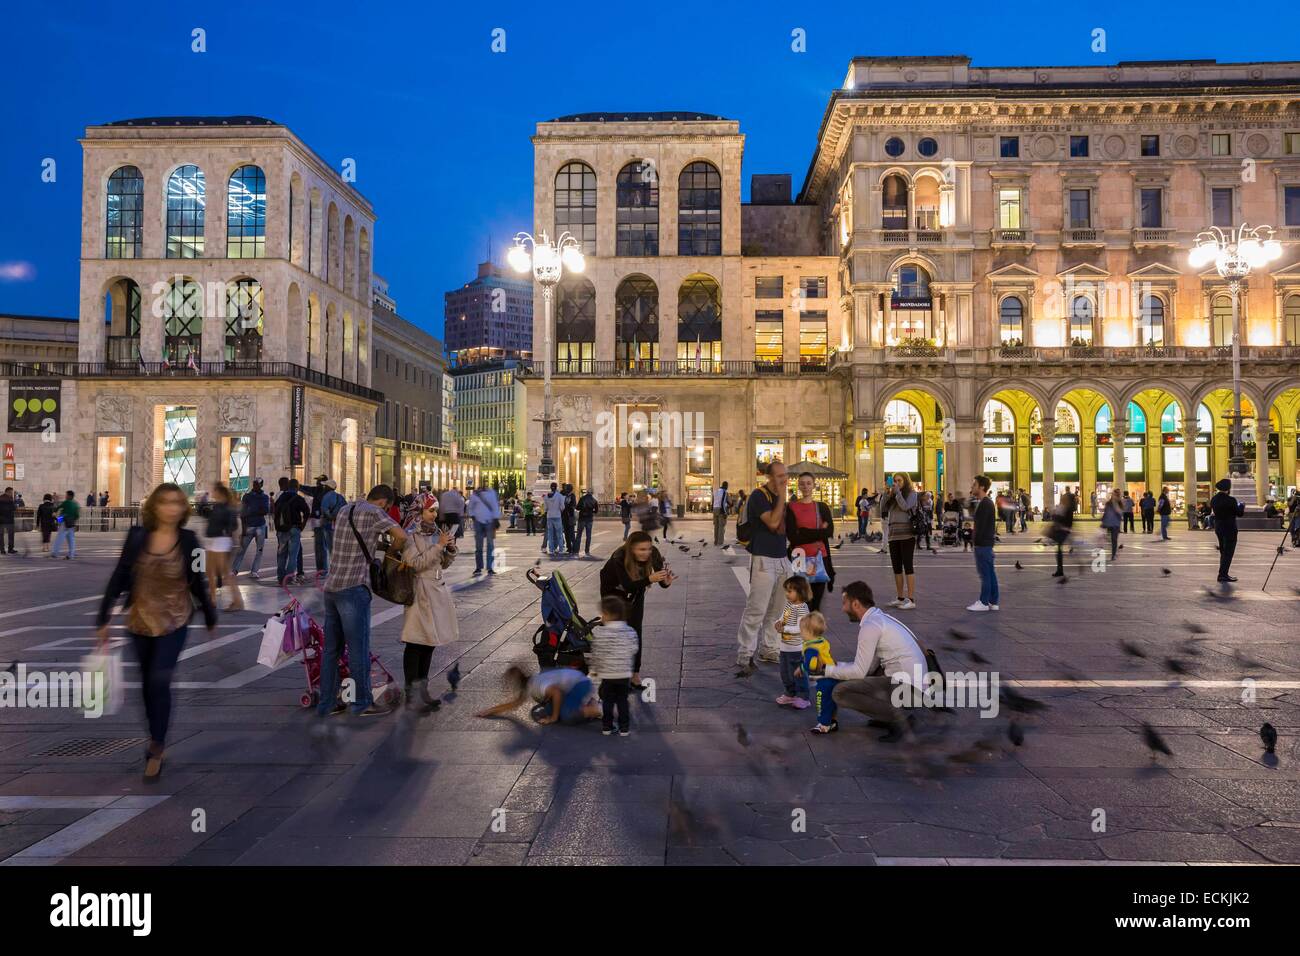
893 203
638 210
1081 313
1137 420
1221 321
699 210
313 332
911 308
182 315
1291 320
244 321
636 321
575 204
124 217
185 205
246 214
122 316
1067 419
575 326
699 322
902 417
1151 321
1011 321
998 418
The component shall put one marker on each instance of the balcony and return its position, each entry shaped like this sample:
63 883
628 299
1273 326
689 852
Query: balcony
1012 237
673 368
1083 236
167 371
123 350
182 349
1290 234
1153 237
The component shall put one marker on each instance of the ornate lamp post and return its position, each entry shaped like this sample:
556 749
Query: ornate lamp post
1235 253
547 260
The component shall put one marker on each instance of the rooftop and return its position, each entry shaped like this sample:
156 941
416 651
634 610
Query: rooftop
659 116
195 121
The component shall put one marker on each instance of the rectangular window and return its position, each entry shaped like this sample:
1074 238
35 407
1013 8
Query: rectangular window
812 340
1152 208
1009 147
769 338
1009 209
813 287
1150 145
769 287
1291 205
1080 209
1220 144
1221 206
1291 144
1078 146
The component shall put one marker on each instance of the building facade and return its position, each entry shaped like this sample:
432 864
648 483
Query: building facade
489 423
1000 258
32 339
224 327
489 318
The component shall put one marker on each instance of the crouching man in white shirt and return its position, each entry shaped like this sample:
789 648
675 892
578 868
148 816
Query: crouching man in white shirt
886 650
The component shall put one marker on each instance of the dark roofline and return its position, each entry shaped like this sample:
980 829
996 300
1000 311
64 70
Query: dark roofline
39 318
146 121
657 116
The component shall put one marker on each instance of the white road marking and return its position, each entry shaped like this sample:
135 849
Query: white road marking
46 607
111 813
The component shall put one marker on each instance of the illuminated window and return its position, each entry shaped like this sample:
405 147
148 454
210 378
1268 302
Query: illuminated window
182 315
699 320
1009 209
636 320
902 417
1081 312
244 321
575 204
769 338
185 213
575 325
180 445
1011 321
124 222
1221 320
812 340
246 214
998 418
1151 321
1291 320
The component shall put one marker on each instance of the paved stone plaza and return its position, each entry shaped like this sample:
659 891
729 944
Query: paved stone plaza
714 772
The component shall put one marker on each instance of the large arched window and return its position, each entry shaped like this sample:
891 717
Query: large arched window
911 308
636 321
699 322
575 326
185 206
699 210
893 203
1011 321
244 321
122 316
1067 419
124 216
246 214
1221 320
1081 313
1151 321
902 417
182 315
1291 320
1137 419
638 210
575 204
998 418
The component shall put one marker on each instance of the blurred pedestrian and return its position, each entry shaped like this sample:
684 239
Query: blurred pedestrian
67 514
253 509
484 509
220 536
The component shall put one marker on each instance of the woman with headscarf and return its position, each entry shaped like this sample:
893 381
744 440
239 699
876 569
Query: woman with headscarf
430 620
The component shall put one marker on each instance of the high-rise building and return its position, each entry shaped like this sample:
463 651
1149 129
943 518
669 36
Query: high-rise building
490 317
489 424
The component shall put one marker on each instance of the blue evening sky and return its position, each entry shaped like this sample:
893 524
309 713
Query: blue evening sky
439 125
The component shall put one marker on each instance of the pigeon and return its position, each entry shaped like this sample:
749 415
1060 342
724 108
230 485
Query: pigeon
537 562
1016 733
453 676
1155 742
1166 572
1194 627
1176 666
683 548
1014 700
1268 734
742 735
701 554
1131 649
701 541
976 658
1019 566
960 635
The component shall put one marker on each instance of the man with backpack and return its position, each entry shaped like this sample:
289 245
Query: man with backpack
325 507
1165 509
587 508
761 528
253 510
67 514
290 515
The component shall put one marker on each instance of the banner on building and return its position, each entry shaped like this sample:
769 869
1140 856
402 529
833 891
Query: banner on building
296 409
34 403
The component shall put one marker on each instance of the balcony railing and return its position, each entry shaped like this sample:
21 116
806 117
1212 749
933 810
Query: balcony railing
1012 237
1291 233
1083 237
200 370
662 368
180 349
123 349
1153 237
1144 353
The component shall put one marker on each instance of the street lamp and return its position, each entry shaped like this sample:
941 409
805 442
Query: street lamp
548 260
1234 254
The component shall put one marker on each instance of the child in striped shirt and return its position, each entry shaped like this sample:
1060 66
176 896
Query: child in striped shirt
797 595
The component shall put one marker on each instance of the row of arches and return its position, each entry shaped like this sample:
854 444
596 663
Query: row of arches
699 208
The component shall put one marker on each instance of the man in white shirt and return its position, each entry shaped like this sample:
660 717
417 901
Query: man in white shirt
720 515
484 510
553 504
887 653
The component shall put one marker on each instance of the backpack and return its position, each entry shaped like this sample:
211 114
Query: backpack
283 513
745 529
919 523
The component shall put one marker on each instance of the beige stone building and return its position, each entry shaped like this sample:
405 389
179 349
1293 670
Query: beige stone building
224 318
985 244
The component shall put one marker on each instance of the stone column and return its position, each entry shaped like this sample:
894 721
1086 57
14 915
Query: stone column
1261 459
1049 476
1118 433
1189 468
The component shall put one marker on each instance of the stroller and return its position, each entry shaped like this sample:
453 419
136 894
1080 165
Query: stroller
383 686
949 538
564 634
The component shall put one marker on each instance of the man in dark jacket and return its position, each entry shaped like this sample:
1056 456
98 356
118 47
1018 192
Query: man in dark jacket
587 508
569 518
290 514
1147 505
1226 510
253 510
8 514
1165 509
986 530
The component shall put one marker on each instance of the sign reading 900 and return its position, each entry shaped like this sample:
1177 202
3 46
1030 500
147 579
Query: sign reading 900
33 403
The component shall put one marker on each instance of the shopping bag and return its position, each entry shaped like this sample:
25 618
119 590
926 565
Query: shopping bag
103 683
816 566
297 630
272 652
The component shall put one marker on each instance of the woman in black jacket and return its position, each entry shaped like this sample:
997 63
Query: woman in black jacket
809 525
160 572
628 574
46 523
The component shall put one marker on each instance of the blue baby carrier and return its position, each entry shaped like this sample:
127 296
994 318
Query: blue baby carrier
564 635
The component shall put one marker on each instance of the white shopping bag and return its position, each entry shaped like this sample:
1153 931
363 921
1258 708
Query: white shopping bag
272 652
103 683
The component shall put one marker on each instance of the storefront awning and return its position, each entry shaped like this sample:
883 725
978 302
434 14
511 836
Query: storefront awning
814 469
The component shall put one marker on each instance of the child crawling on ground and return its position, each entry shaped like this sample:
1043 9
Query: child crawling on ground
561 694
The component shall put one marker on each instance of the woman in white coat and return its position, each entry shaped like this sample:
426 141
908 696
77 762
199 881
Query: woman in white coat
431 620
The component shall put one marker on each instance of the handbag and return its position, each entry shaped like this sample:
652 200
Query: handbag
277 645
390 578
816 566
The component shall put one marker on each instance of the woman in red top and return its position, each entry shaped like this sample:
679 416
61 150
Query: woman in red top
809 525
